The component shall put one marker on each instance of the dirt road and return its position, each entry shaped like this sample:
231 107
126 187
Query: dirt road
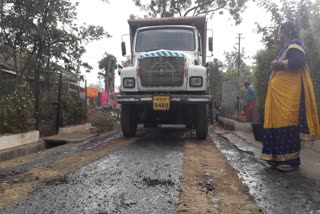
159 171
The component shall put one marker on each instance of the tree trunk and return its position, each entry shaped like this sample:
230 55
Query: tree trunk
106 83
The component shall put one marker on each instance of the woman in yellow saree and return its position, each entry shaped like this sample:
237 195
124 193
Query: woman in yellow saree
290 110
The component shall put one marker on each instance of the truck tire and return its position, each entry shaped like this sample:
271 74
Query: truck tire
201 121
128 121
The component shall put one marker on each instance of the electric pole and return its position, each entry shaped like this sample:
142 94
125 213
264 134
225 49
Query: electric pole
239 53
238 67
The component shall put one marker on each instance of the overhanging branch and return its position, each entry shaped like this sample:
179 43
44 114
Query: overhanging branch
209 11
176 8
197 7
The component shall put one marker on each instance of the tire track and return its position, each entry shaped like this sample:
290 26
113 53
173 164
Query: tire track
209 184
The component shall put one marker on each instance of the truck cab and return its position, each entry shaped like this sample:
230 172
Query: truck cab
167 83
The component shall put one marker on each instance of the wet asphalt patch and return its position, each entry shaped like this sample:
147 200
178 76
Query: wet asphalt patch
58 154
57 181
156 182
143 177
274 192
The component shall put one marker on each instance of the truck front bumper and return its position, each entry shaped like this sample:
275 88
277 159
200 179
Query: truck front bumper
144 99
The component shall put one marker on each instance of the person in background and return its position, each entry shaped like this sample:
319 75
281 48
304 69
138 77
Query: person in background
249 109
290 109
236 108
218 112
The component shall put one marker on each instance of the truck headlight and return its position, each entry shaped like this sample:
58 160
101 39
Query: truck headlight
129 83
196 81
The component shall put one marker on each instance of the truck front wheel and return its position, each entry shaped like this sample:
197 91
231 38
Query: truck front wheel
201 121
128 121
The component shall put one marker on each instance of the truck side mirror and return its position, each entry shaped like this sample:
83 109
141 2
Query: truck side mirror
119 69
123 48
210 44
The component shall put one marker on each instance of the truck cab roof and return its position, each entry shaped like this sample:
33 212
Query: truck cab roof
167 26
198 22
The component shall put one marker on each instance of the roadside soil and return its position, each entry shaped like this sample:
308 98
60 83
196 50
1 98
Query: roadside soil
99 120
210 184
15 187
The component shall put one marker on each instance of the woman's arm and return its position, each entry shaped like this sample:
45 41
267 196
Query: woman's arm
295 61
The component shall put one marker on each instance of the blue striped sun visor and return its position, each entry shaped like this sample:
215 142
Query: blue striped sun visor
162 54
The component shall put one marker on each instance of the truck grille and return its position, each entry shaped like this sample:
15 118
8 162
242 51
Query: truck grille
162 71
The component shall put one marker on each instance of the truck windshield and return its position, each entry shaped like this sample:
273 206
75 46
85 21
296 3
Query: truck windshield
166 38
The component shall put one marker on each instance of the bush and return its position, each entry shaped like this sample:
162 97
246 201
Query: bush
17 111
74 111
215 80
262 74
312 43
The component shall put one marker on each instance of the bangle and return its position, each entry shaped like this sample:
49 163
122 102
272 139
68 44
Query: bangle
278 64
285 64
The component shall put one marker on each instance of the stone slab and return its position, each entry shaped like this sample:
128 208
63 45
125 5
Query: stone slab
69 137
76 128
15 140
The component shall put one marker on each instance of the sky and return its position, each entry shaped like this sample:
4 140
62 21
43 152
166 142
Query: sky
113 17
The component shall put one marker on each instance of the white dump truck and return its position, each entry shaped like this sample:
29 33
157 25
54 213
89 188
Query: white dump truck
168 81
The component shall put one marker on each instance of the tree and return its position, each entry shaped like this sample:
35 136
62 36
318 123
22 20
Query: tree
127 62
305 14
171 8
312 43
298 12
215 69
108 64
43 37
232 66
45 32
233 83
262 73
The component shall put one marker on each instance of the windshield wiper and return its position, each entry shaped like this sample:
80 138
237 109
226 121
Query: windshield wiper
154 49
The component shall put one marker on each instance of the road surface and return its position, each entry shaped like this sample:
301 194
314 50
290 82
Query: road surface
159 171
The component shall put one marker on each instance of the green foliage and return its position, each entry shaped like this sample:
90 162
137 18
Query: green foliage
232 60
170 8
262 73
305 14
298 12
312 44
108 64
215 79
234 81
74 111
127 62
232 67
17 111
47 31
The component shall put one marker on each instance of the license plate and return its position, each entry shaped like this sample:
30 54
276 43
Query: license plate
161 103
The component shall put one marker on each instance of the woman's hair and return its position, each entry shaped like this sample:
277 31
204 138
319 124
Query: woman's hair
289 29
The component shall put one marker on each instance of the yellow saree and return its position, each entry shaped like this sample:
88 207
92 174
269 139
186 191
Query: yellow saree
290 112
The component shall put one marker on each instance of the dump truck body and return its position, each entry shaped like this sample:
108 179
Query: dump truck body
167 83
